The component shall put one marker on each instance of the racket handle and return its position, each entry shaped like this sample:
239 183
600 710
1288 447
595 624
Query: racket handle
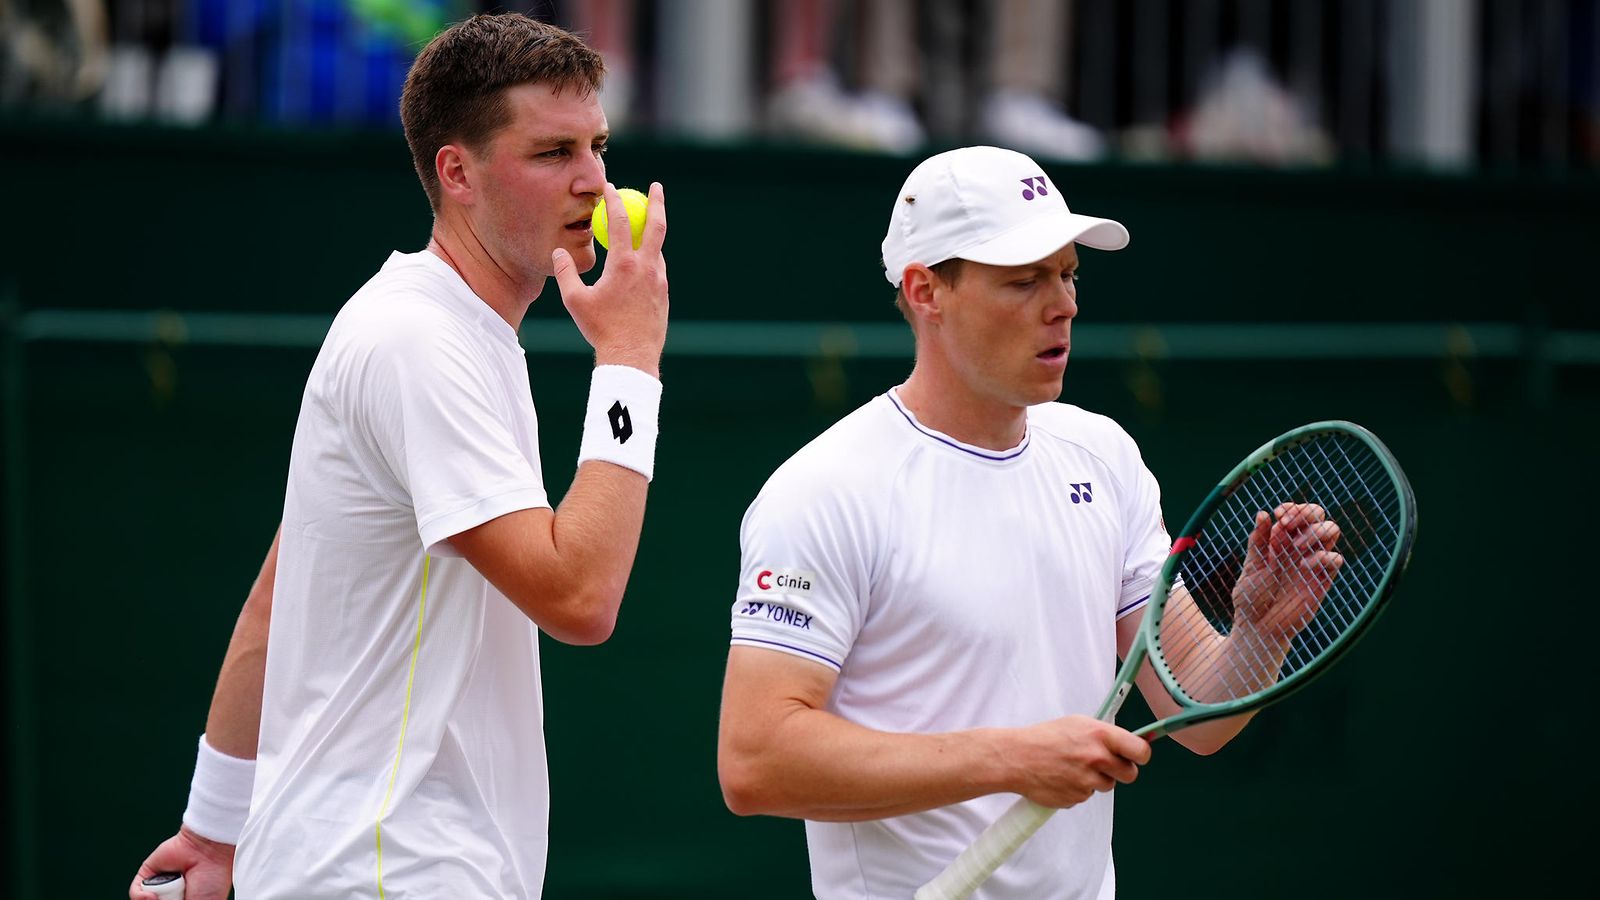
993 847
166 885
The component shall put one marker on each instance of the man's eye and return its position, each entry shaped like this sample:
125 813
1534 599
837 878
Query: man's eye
1069 276
600 150
1023 284
558 152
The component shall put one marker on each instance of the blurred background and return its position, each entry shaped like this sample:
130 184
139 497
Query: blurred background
1380 210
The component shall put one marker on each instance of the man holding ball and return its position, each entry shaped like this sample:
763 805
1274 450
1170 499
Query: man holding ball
376 729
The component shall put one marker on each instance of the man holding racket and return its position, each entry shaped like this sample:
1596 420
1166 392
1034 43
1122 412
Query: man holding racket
376 730
930 587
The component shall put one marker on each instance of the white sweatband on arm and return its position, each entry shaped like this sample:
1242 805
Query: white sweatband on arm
622 419
219 795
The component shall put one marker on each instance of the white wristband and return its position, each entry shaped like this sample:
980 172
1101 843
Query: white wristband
622 419
219 795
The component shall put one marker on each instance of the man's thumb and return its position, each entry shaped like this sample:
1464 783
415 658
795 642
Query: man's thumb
566 272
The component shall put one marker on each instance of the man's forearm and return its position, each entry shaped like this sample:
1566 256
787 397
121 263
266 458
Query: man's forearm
233 725
597 527
816 765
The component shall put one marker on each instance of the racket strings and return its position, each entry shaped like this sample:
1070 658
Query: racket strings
1298 600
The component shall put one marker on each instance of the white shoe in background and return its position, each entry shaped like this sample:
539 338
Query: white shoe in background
1027 122
818 110
890 122
186 85
130 83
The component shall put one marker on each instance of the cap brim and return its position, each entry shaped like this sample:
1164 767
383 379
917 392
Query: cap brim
1037 238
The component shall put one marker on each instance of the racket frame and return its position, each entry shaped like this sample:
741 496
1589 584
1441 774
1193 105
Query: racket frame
1196 712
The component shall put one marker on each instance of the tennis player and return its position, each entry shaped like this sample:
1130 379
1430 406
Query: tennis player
928 586
388 654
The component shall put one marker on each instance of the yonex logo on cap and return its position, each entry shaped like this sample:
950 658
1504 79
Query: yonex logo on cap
1036 184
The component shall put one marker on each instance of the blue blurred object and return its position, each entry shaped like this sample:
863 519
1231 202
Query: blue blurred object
315 62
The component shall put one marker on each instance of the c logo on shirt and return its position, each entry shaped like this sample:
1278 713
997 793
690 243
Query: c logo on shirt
786 581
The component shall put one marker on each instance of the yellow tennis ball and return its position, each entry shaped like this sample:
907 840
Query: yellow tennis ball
632 201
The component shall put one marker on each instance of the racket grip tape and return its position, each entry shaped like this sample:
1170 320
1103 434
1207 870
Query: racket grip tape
976 863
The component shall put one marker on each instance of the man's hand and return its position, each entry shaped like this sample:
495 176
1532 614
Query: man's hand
1288 568
206 866
1065 761
624 314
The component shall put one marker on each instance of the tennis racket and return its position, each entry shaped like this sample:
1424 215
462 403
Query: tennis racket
1257 598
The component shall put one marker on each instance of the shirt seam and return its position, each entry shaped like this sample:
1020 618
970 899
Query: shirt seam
1012 457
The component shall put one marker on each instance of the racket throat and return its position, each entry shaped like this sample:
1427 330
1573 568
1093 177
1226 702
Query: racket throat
1113 704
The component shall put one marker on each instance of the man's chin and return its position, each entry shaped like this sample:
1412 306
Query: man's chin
583 255
1048 392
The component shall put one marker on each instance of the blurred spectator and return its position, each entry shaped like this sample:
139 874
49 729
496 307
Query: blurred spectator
1024 66
610 27
1029 50
1245 115
1439 83
157 68
807 100
51 53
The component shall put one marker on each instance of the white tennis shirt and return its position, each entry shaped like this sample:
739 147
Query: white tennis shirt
402 716
954 587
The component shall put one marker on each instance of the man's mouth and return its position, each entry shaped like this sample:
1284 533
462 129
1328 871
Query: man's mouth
1054 353
580 224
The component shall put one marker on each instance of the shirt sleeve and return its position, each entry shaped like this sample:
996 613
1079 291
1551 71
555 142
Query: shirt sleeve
1147 541
804 575
445 430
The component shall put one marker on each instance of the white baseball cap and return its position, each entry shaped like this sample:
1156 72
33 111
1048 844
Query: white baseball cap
987 205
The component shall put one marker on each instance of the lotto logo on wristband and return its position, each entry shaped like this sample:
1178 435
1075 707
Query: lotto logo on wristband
621 422
785 581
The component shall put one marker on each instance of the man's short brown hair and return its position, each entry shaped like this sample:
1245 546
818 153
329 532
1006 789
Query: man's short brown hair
947 271
455 91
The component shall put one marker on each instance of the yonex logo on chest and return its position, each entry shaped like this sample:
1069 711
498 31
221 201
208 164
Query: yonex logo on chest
1082 492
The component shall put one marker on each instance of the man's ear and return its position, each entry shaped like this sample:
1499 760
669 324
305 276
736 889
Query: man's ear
453 164
923 292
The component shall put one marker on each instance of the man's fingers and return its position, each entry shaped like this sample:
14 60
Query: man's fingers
1124 744
136 890
1122 770
1301 514
655 220
1322 536
566 272
619 231
1260 533
1325 563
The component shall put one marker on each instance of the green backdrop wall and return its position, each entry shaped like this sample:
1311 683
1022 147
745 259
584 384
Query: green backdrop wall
1447 756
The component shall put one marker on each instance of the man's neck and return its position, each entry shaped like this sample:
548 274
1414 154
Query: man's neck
942 401
501 290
